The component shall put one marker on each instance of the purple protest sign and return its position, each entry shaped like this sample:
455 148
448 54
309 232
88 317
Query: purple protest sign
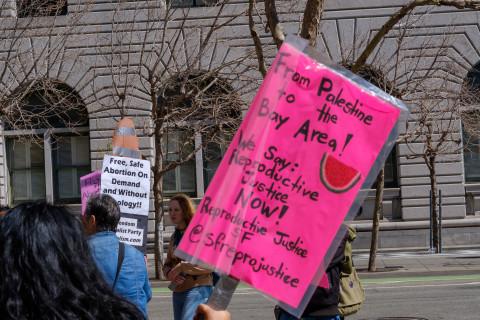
90 185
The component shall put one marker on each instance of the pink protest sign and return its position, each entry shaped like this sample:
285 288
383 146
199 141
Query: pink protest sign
89 185
290 176
324 281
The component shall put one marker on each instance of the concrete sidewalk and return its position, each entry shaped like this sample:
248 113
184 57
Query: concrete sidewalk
401 263
419 262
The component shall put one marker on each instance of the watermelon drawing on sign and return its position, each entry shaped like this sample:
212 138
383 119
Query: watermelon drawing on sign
336 176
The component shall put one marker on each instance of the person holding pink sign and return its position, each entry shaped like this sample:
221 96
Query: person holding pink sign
191 284
323 304
211 314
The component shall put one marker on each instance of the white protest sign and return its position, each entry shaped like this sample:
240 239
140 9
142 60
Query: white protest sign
127 181
128 232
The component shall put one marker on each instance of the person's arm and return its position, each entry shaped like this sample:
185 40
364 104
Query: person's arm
147 287
168 265
211 314
171 268
187 267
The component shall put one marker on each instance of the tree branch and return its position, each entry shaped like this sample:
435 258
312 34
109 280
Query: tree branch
273 23
459 4
311 21
256 40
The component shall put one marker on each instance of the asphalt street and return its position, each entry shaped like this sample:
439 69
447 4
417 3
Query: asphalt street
412 284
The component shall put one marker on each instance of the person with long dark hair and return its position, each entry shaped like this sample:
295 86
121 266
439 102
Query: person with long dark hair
47 270
3 209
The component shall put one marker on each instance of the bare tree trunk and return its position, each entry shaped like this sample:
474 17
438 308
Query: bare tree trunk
158 205
433 185
376 220
158 116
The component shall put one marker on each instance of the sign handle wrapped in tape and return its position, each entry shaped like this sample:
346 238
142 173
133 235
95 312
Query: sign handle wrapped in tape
222 293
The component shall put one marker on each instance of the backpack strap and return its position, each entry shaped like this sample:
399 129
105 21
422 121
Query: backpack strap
121 255
347 265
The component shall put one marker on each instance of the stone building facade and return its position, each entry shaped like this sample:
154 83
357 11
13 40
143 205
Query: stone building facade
49 170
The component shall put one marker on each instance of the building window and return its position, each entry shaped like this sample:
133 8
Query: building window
182 178
28 161
71 160
212 156
471 158
192 3
390 171
391 178
48 150
471 126
471 144
203 115
41 8
27 171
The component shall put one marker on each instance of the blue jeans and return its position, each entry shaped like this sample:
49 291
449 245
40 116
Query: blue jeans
185 303
284 316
